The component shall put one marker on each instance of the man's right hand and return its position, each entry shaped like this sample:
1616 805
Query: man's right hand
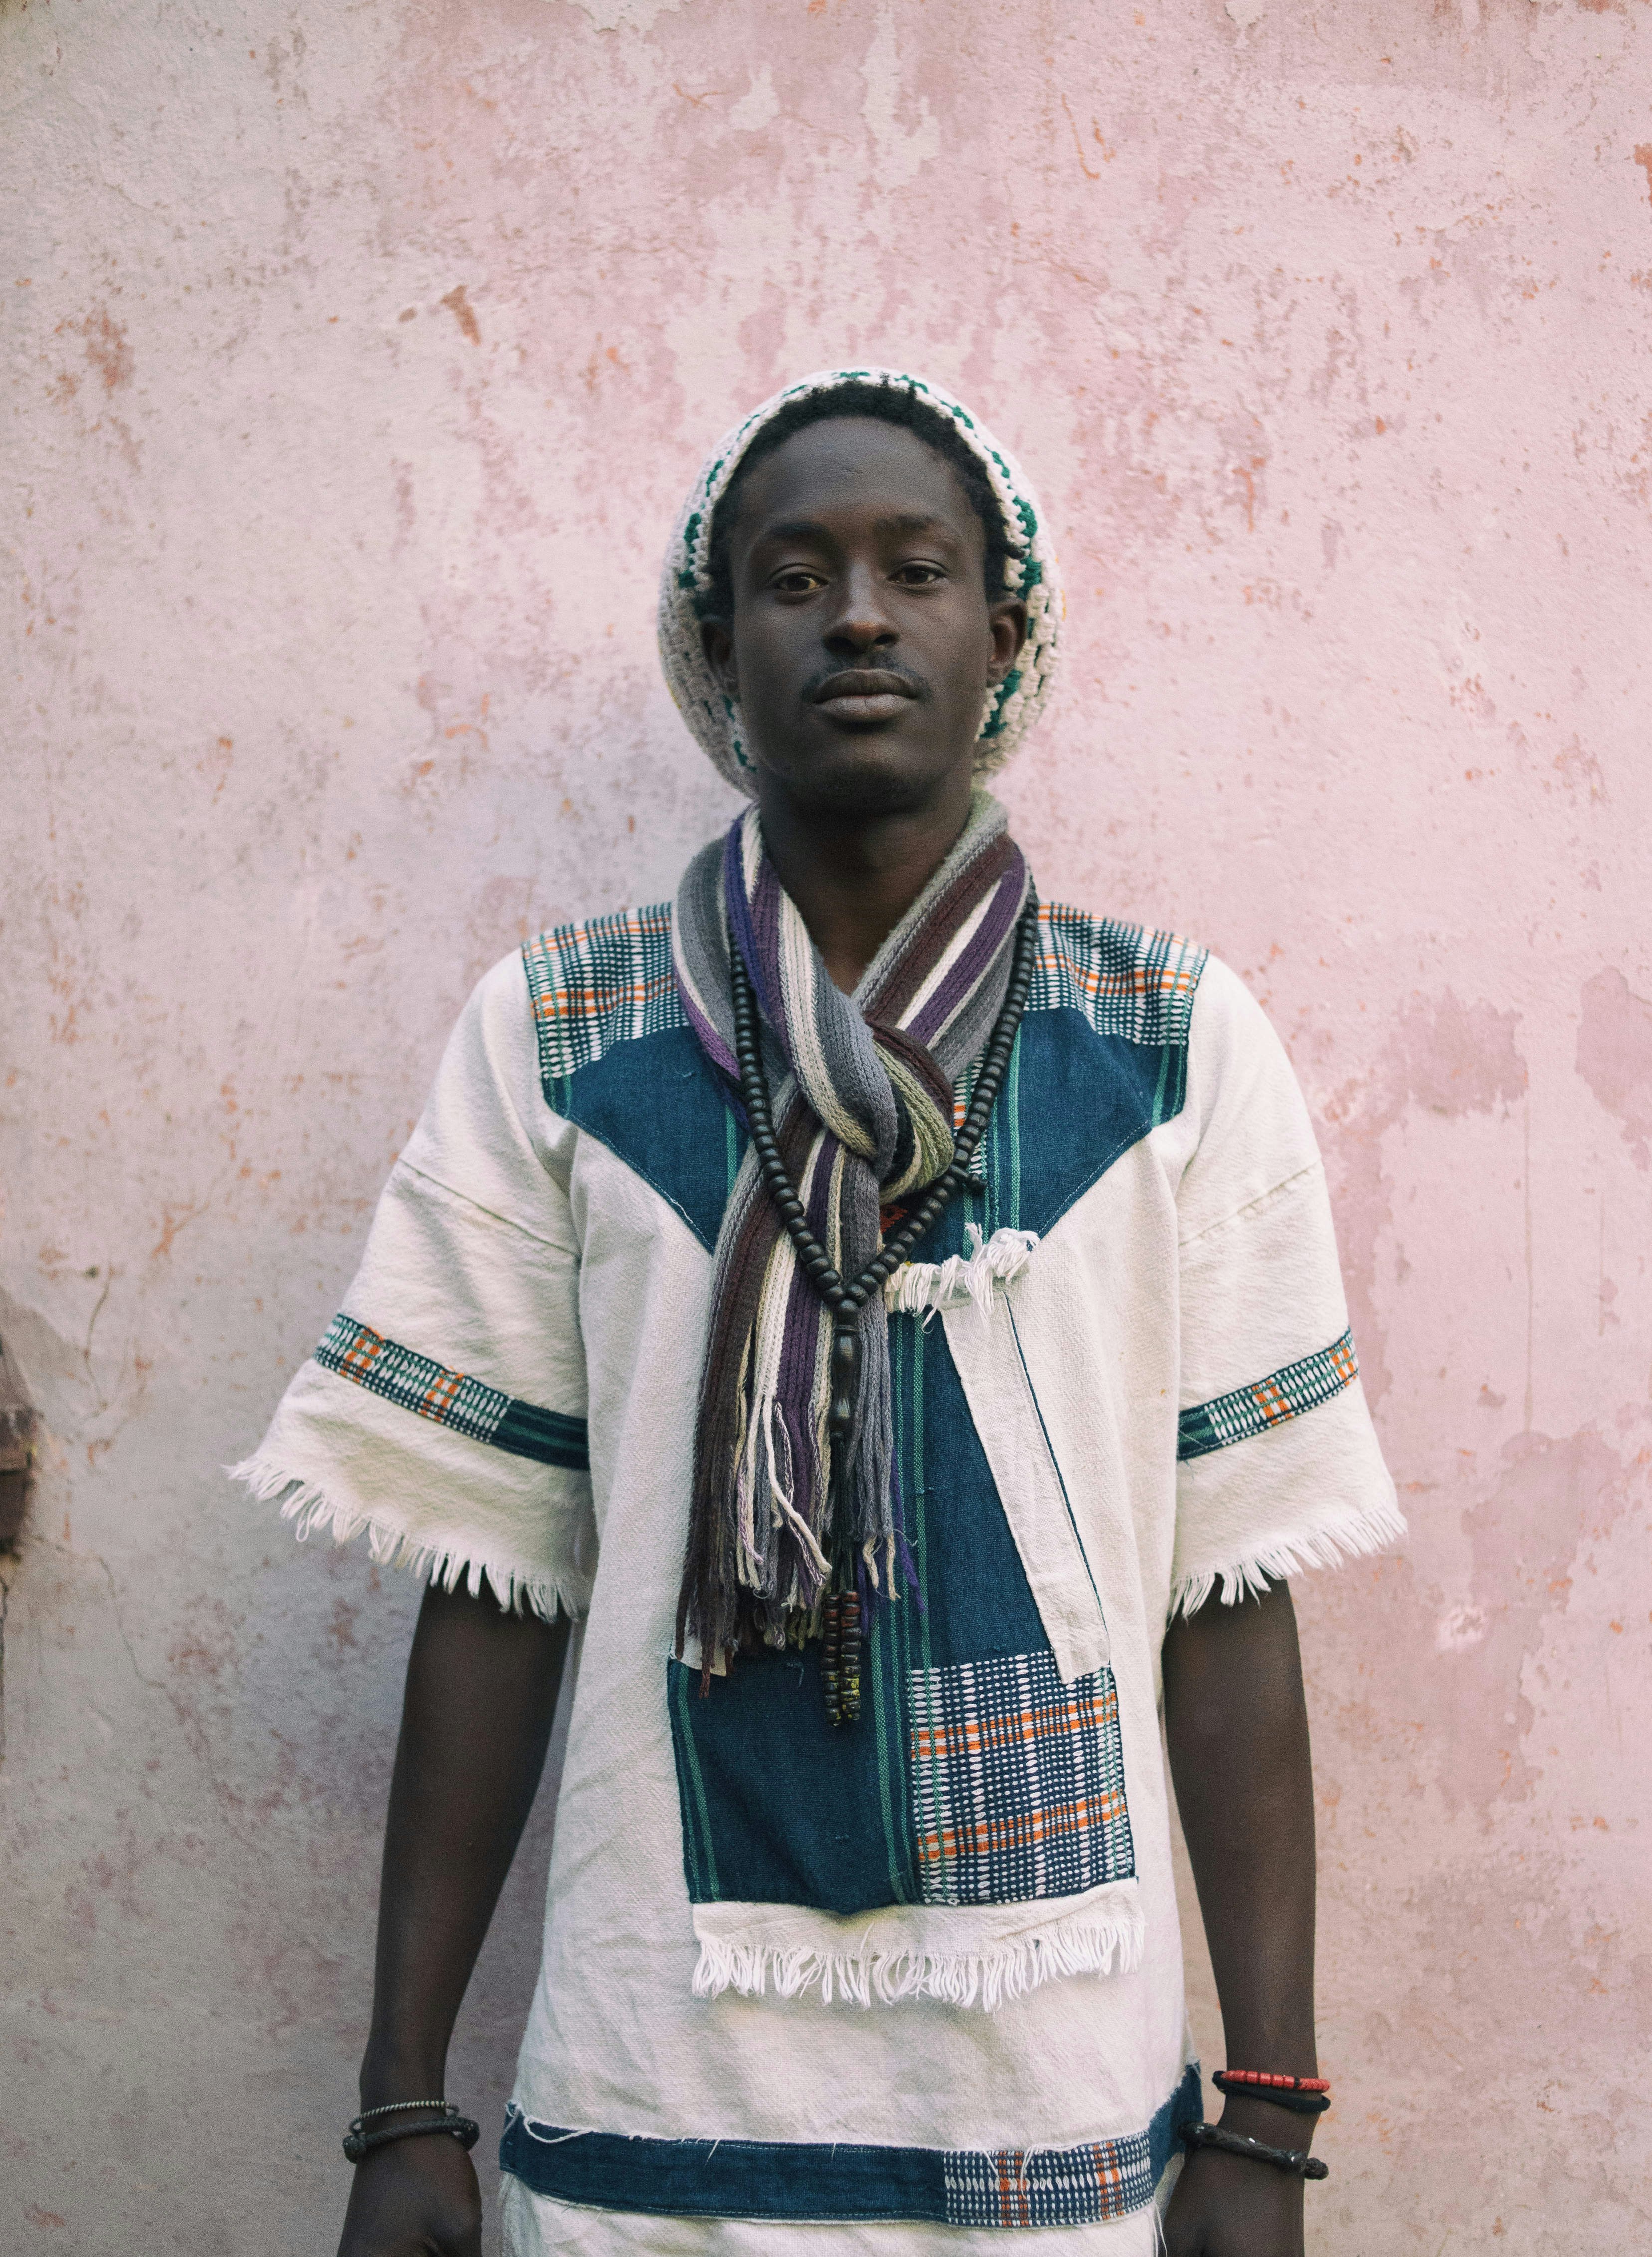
414 2198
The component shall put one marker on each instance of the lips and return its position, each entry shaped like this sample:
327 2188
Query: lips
862 693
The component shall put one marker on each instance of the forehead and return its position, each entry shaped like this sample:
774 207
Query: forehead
848 465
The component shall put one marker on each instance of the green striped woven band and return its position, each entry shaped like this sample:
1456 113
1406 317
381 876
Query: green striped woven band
1270 1401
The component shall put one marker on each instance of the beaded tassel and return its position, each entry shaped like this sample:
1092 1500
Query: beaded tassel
849 1617
832 1660
841 1657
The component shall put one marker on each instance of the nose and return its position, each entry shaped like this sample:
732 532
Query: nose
860 621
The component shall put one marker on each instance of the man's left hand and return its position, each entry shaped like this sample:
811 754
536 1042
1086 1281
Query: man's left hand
1227 2206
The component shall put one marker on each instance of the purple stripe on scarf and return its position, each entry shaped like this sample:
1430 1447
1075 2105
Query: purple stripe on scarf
989 938
709 1041
802 1323
739 911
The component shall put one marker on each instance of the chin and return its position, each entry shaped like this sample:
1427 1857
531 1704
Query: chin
866 775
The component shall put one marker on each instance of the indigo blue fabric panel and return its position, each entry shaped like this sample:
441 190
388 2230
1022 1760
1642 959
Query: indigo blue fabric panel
1080 1098
778 1806
977 1602
658 1104
844 2181
727 2178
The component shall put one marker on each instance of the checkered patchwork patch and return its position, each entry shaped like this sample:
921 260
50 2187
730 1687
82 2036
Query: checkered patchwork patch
358 1353
1018 1782
1050 2186
1126 979
1282 1394
597 985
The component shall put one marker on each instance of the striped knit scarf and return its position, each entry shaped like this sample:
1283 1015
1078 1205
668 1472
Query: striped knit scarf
862 1096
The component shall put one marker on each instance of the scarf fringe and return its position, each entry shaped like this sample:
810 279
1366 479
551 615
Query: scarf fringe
923 1287
1102 1944
310 1508
1352 1537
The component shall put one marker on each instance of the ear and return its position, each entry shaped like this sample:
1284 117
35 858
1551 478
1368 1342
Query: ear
1007 622
718 643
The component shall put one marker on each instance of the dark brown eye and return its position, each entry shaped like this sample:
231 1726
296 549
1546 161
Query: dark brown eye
919 576
796 583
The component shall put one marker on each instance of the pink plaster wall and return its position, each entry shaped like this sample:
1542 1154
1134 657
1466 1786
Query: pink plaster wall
355 359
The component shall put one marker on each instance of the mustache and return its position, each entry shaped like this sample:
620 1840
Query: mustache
819 680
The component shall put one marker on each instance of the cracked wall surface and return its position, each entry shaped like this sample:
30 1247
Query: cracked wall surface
355 362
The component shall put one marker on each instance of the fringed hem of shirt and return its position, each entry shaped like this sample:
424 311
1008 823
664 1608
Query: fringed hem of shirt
518 1589
1330 1544
1107 1941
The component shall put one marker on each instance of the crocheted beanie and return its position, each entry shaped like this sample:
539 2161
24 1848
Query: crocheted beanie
1030 572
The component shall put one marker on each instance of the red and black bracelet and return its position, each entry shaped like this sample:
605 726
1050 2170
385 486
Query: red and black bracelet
1304 2095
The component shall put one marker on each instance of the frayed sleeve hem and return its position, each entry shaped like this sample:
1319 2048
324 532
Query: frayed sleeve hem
448 1561
1350 1534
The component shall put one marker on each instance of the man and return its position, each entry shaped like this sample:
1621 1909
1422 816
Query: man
895 1315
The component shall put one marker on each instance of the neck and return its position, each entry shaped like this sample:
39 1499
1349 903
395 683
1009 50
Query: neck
854 876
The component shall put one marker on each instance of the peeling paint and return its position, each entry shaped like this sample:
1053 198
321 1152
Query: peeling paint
1448 1057
1615 1055
464 313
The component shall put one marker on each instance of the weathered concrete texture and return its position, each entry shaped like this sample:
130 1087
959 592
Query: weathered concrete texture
355 360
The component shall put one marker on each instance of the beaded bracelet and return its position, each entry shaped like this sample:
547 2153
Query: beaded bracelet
360 2142
1272 2078
1275 2092
1300 2165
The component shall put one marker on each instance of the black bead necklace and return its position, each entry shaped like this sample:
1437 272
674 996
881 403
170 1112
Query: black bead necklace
841 1627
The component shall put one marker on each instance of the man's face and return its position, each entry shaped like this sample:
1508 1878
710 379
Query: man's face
862 646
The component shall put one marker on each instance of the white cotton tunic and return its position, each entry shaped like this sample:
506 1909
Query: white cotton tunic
893 1989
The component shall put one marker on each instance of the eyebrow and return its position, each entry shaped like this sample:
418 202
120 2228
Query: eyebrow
906 521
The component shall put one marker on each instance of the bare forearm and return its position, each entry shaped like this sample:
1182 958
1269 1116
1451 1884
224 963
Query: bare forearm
1236 1726
481 1695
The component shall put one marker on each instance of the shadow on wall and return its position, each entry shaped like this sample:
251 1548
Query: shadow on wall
17 1473
16 1451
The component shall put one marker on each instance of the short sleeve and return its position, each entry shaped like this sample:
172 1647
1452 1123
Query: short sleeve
443 1413
1278 1465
